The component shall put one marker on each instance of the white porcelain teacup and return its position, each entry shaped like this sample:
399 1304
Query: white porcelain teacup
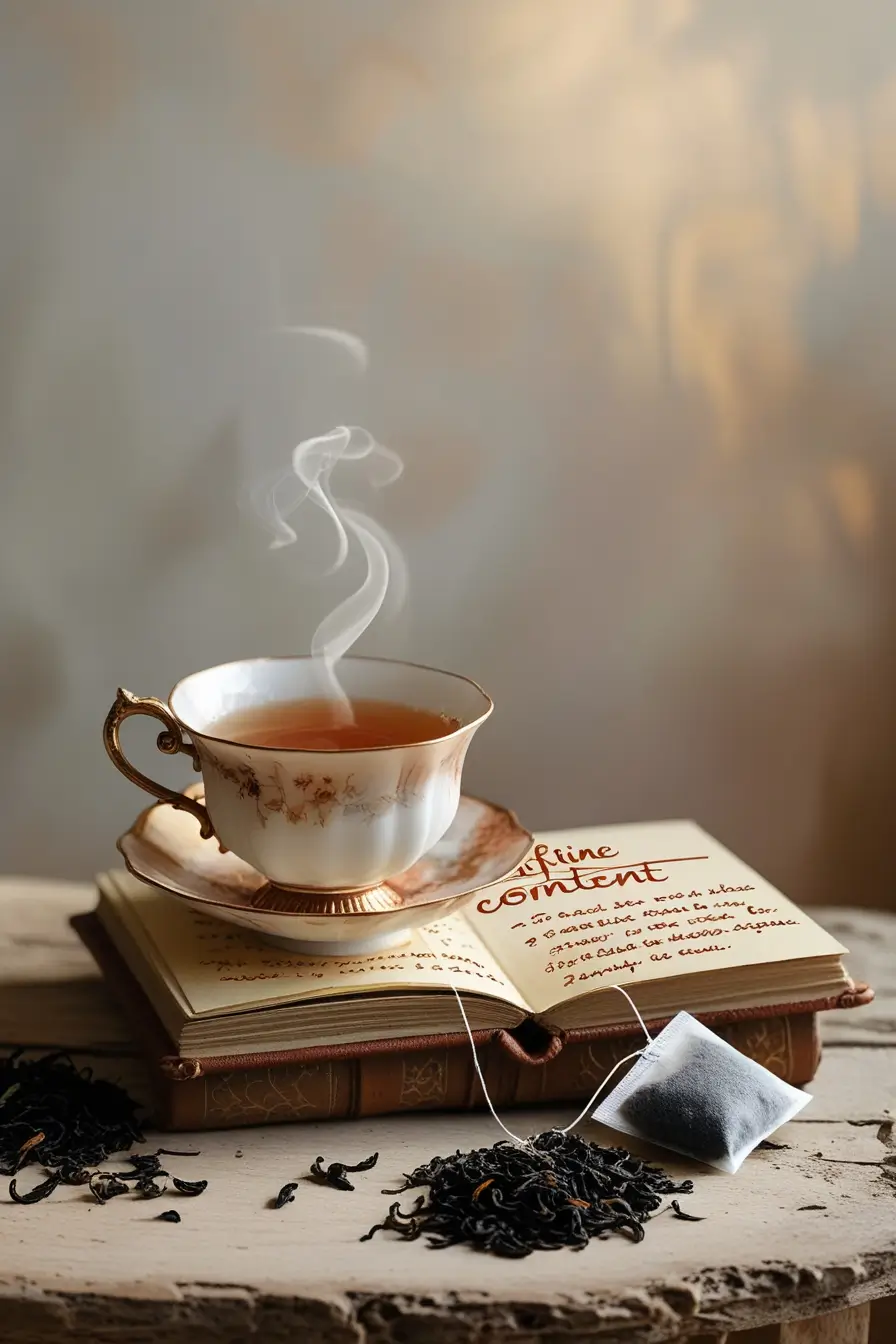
337 820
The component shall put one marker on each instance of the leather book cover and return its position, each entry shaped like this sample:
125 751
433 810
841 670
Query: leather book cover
523 1067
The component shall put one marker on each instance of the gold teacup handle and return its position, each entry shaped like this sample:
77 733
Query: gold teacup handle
171 741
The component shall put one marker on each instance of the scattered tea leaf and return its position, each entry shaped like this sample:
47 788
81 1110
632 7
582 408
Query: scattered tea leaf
189 1187
396 1221
145 1164
37 1194
147 1188
286 1195
71 1174
105 1185
335 1176
169 1216
366 1165
679 1212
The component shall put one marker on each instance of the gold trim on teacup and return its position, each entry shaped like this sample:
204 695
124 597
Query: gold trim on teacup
331 751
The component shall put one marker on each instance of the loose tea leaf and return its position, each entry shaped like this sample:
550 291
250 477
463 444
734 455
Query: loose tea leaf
189 1187
144 1164
105 1185
334 1175
685 1217
37 1194
169 1216
29 1144
396 1221
147 1189
362 1166
71 1174
560 1190
286 1195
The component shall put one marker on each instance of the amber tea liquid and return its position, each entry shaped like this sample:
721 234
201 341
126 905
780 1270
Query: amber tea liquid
318 725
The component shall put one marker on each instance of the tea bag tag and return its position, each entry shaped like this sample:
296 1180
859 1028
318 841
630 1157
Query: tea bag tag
693 1093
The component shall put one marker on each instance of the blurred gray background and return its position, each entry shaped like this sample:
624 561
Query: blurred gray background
626 274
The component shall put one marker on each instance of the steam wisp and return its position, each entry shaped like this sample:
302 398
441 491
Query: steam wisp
279 497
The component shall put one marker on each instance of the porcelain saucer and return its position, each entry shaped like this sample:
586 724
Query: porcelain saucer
483 845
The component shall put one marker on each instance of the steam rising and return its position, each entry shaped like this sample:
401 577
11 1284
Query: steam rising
279 497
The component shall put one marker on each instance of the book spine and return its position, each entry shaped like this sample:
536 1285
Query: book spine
444 1079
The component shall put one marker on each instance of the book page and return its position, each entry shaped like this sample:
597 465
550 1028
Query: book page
219 968
629 903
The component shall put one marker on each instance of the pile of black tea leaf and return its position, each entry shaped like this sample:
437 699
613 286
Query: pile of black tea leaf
561 1190
61 1118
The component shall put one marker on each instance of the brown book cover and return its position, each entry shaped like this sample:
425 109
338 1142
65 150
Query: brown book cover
523 1067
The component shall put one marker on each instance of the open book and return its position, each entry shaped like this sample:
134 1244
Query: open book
661 909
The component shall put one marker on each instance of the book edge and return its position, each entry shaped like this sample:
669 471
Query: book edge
152 1036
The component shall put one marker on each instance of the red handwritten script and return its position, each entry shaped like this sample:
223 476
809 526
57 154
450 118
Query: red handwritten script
578 875
641 902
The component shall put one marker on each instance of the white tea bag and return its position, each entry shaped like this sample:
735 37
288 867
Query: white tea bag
692 1092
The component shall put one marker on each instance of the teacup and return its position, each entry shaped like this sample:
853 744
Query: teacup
310 820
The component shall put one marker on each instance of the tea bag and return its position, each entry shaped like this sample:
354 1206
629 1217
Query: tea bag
692 1092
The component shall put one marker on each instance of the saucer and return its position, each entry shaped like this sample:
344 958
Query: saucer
483 845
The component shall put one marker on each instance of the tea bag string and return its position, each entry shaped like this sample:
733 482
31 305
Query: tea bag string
525 1143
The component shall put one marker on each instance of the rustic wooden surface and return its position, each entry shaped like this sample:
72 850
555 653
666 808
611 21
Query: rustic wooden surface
235 1269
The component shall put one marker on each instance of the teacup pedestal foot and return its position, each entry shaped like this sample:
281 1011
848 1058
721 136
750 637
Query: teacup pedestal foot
307 901
320 912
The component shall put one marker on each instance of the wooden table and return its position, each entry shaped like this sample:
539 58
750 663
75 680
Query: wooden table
799 1233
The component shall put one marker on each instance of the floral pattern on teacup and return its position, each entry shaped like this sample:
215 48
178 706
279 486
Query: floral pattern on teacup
316 799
